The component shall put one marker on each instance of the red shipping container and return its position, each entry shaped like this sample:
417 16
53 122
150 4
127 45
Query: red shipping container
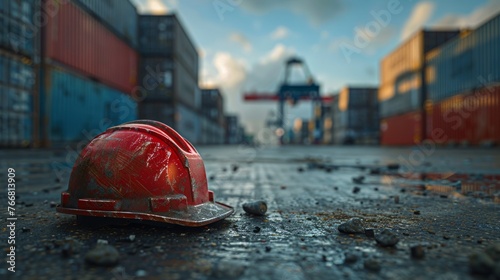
466 119
402 130
75 39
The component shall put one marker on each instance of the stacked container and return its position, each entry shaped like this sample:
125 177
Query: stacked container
168 74
463 88
89 76
402 91
356 119
212 114
232 130
18 56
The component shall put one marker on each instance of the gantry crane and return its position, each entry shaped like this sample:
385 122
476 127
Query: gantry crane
309 90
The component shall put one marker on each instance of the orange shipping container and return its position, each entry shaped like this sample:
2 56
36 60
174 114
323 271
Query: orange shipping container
75 39
402 130
470 119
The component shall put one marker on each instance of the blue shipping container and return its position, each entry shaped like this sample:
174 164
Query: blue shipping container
471 61
76 109
120 15
15 116
17 31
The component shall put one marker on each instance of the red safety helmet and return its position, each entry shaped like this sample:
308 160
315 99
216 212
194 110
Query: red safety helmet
142 170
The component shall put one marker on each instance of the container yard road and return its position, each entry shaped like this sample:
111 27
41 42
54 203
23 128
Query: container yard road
440 210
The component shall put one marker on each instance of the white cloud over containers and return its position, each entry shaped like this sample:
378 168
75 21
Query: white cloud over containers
418 18
475 18
240 39
280 32
316 12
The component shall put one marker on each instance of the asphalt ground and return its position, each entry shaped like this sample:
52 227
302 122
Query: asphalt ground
309 192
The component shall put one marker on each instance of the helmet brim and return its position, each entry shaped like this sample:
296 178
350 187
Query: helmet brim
193 216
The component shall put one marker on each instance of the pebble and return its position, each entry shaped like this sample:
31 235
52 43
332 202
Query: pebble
369 232
300 169
350 258
372 265
103 255
256 230
353 225
358 180
375 171
25 229
256 207
493 251
393 166
268 249
416 212
481 263
356 190
387 238
235 168
70 247
53 204
417 252
141 273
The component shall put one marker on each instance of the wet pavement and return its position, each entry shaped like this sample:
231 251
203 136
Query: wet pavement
443 203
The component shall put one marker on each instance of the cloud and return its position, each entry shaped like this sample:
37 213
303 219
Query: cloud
473 19
373 41
241 40
234 78
280 32
231 72
155 7
419 16
316 12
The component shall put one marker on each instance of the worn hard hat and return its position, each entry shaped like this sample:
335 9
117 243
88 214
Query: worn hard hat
142 170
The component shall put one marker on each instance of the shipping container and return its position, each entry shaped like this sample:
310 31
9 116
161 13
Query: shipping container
232 124
401 103
471 61
156 78
402 71
120 16
163 37
160 111
17 78
165 79
402 130
409 57
17 29
75 108
73 38
187 123
211 132
16 119
466 119
212 105
355 116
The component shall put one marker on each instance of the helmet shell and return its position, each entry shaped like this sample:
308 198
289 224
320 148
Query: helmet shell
142 170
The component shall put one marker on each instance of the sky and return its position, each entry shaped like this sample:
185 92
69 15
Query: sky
243 44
